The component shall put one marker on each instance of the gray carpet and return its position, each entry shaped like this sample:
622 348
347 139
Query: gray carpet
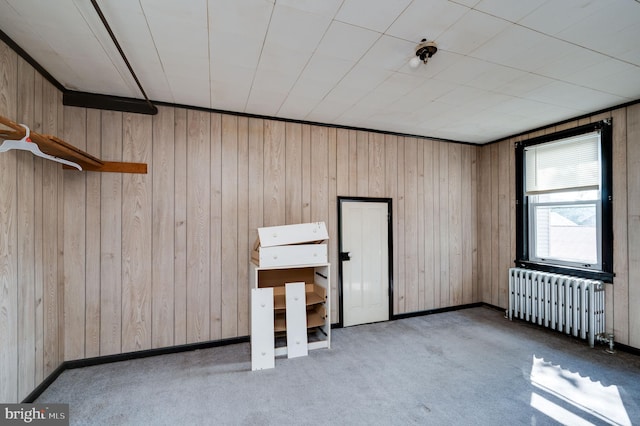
468 367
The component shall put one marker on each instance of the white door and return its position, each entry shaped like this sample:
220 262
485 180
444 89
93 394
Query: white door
365 277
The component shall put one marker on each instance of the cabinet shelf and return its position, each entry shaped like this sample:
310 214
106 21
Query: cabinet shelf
317 301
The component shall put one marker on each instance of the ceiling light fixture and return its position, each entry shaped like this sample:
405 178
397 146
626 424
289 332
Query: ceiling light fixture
424 50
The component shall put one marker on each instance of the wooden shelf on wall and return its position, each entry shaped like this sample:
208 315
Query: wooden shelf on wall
56 147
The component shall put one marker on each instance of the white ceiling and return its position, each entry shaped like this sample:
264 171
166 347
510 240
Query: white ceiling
503 66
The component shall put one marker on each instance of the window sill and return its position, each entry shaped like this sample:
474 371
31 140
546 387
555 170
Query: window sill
566 270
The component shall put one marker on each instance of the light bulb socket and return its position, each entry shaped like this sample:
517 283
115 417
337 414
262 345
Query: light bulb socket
426 49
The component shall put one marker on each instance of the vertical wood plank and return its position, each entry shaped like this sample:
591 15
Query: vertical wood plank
9 232
306 173
162 243
466 217
362 147
243 227
342 159
400 284
353 163
50 236
92 284
26 237
136 231
75 123
437 268
376 179
620 300
391 191
230 226
455 225
333 220
504 226
38 237
494 235
430 187
274 173
198 226
484 223
319 175
421 225
411 290
256 174
445 292
474 223
293 172
217 242
111 238
180 226
60 232
633 227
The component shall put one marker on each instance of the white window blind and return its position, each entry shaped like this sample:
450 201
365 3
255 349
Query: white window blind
570 164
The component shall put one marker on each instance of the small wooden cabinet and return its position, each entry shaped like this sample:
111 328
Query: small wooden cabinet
316 279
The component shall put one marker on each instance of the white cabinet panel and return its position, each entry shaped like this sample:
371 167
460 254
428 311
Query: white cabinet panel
296 320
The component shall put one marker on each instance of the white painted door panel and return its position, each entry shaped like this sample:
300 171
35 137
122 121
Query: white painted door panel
262 336
296 320
365 278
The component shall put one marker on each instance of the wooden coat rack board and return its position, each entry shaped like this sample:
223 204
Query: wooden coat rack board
56 147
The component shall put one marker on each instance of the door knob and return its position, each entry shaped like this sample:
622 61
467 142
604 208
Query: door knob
344 256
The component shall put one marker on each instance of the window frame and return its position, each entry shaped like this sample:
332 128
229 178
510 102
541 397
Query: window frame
523 256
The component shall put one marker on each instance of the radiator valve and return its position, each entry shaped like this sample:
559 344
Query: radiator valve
606 338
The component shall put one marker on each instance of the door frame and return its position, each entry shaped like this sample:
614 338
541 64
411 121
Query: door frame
388 202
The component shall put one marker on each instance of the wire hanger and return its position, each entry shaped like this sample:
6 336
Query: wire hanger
26 144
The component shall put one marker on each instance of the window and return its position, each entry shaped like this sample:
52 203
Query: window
564 202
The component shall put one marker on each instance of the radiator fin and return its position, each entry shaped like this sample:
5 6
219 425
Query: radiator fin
567 304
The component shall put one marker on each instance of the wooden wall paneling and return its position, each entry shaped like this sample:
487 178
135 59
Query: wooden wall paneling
198 226
633 226
274 173
229 265
400 282
256 173
51 355
444 227
512 205
437 268
243 227
180 226
38 237
411 289
474 225
9 232
111 238
218 245
26 237
293 172
93 245
319 174
306 173
618 321
353 163
505 180
391 191
494 235
467 214
455 225
362 163
332 138
430 187
421 225
376 165
75 130
136 230
163 225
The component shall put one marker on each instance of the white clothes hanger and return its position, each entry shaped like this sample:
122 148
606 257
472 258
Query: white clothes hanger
26 144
